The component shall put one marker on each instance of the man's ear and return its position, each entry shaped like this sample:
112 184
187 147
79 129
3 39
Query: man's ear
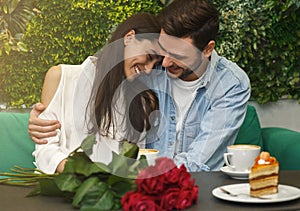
209 49
129 37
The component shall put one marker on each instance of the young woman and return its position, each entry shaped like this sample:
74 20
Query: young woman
101 96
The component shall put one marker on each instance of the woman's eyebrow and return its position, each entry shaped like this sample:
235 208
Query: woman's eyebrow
152 51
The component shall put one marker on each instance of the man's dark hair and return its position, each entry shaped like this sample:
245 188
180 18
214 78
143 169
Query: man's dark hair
197 19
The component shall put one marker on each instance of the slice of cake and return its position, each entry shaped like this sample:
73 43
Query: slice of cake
263 177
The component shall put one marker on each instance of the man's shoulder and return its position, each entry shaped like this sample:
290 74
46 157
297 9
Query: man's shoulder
232 72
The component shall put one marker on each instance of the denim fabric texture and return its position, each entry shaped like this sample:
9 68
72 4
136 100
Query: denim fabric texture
212 121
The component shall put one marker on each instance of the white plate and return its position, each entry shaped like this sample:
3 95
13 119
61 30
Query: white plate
285 193
235 174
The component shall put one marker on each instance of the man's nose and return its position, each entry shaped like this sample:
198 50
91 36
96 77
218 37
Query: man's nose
167 62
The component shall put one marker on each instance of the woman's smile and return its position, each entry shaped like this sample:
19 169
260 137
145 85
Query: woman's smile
137 69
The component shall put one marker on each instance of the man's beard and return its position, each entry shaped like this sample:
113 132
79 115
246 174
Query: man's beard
185 74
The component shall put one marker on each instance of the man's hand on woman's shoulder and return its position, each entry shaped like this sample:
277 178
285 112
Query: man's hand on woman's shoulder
40 129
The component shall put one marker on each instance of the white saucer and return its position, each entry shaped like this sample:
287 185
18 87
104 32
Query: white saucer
235 174
285 193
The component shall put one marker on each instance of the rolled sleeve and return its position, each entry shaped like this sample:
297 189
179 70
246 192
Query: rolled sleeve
49 155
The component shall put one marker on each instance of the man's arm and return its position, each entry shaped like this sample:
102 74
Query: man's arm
40 129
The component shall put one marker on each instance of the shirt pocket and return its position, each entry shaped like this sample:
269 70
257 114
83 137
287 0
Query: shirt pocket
190 135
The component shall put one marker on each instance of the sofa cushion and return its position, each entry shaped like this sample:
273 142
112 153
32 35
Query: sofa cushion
16 145
250 131
283 144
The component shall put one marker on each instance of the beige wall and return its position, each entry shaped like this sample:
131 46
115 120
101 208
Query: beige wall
284 113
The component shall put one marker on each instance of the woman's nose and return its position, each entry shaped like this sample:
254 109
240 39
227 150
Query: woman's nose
150 65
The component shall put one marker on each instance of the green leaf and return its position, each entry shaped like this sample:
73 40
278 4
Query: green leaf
7 48
98 198
22 47
129 150
80 163
47 187
118 164
87 144
121 186
139 164
127 157
84 188
35 192
67 182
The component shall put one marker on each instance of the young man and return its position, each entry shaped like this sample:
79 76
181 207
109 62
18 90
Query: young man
202 96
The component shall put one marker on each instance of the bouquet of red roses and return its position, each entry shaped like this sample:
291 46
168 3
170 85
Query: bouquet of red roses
162 187
125 182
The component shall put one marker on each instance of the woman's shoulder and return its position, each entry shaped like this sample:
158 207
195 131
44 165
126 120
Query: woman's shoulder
51 82
54 74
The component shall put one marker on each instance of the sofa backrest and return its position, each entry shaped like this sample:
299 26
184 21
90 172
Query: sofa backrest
15 144
250 131
284 144
281 143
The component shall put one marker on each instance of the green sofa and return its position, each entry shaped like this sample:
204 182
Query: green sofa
282 143
16 145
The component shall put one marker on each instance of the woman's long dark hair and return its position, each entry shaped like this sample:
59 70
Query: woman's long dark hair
110 76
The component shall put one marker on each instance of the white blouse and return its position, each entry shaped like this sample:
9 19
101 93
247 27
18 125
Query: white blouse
69 107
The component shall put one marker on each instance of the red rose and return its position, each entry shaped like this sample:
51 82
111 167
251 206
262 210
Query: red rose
134 201
162 187
148 182
169 198
185 199
164 164
171 176
184 179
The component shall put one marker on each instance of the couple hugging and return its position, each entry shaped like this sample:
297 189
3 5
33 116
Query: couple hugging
158 83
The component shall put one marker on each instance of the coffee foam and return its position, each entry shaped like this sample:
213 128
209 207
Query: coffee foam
244 146
148 151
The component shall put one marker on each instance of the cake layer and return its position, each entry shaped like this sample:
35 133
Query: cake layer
263 170
263 177
264 191
263 182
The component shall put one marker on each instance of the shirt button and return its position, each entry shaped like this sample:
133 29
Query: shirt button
172 118
170 144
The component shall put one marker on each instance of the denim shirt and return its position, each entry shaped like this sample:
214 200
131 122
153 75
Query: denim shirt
212 121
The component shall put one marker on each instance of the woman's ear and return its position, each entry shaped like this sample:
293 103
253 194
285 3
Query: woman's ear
129 37
209 49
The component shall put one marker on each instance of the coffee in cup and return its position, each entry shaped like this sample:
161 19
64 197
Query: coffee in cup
241 157
151 155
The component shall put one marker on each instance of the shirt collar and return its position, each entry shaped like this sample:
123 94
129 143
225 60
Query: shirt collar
209 70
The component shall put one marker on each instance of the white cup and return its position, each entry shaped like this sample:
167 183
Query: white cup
241 157
151 155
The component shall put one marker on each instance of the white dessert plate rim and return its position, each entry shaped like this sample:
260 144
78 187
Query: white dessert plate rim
285 193
235 174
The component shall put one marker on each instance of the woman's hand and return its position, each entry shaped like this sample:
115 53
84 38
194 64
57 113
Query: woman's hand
40 129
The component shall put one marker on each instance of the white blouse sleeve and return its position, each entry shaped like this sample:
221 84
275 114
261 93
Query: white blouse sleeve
48 156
